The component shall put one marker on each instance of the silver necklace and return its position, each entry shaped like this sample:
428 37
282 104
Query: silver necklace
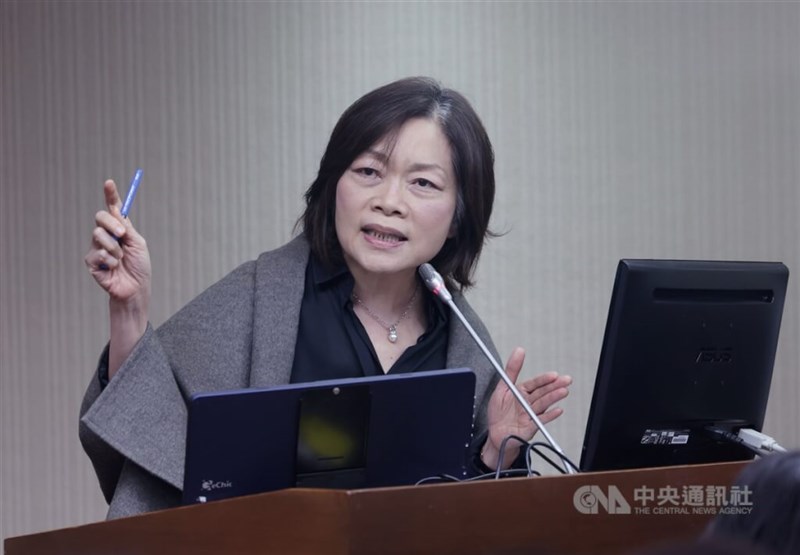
391 329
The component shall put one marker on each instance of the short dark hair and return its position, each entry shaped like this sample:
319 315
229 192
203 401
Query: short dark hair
380 114
774 521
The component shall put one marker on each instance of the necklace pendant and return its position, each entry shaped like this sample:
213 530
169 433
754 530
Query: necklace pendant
392 335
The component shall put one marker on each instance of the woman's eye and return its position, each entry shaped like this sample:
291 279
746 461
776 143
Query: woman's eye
367 172
425 183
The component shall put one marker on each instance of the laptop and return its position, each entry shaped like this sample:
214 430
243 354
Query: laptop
352 433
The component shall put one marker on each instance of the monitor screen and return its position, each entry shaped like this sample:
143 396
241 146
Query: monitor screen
351 433
688 345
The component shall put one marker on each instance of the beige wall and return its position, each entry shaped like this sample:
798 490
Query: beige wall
621 130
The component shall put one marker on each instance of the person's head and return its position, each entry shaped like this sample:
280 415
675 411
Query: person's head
774 522
410 135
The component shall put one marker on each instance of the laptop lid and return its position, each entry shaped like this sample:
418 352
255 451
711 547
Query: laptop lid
351 433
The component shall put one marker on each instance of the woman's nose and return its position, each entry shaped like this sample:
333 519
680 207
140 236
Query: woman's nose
390 197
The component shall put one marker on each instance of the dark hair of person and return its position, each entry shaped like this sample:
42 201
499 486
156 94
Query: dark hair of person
379 115
774 522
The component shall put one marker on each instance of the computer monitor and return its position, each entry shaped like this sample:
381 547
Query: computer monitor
351 433
688 345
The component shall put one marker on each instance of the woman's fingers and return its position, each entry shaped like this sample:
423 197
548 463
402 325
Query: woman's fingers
112 196
542 391
550 415
544 384
543 403
539 382
105 252
113 220
545 390
114 224
100 259
102 239
514 363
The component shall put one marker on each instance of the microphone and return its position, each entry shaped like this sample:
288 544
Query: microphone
434 282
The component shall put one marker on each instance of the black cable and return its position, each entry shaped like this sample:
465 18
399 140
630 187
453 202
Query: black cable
508 473
720 433
532 448
500 473
439 478
503 450
562 456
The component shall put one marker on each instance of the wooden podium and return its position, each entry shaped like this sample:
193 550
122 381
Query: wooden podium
511 516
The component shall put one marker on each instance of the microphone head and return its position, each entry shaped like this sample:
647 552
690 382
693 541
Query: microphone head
427 272
433 281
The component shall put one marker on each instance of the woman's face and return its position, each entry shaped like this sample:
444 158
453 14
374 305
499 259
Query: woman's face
394 208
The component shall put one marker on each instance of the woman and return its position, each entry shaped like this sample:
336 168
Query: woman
407 178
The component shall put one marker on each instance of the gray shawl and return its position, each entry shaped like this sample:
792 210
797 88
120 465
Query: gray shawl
240 332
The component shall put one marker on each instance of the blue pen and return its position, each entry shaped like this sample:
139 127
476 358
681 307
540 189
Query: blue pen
126 207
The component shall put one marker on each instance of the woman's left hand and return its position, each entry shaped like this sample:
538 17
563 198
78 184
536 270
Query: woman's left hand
506 417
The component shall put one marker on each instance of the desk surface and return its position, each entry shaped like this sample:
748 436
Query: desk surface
602 512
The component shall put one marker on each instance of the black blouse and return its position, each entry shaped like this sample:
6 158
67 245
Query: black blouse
333 344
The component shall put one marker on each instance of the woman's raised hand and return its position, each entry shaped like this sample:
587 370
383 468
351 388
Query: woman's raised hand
506 417
119 261
121 267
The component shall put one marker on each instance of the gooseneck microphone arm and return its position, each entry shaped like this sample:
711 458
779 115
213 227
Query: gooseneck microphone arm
435 283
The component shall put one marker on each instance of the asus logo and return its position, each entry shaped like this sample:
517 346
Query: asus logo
712 356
